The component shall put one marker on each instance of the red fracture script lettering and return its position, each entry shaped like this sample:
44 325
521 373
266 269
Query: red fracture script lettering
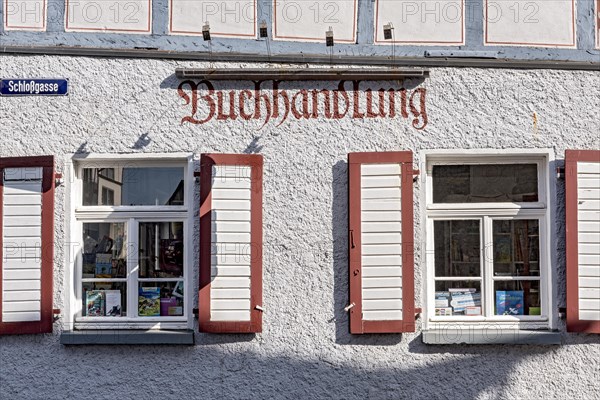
279 105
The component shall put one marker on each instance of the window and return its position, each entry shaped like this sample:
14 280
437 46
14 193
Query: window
131 243
488 241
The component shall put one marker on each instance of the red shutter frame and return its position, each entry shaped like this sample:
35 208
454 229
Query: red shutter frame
572 158
47 264
256 237
357 324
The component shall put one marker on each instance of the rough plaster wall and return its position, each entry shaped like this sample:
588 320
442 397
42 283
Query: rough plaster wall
305 350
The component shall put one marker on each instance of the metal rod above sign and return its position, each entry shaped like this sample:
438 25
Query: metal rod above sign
301 74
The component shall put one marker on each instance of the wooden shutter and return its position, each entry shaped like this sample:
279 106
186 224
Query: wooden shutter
26 244
582 181
381 242
231 243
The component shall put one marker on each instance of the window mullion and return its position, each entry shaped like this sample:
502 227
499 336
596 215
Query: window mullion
133 269
488 266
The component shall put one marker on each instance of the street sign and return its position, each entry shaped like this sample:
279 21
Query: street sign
34 87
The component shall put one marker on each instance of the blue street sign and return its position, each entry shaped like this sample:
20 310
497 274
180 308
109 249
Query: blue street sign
34 87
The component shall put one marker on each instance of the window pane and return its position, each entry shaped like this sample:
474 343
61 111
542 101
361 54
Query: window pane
104 250
127 186
457 248
517 298
104 299
160 299
161 249
485 183
461 298
516 248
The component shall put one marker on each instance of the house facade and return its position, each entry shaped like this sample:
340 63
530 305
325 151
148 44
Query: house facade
251 216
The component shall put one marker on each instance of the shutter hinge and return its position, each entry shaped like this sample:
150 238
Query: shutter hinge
349 306
55 314
58 179
197 176
259 308
416 172
195 311
560 173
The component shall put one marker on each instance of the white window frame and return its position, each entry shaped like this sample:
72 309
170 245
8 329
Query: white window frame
543 210
131 216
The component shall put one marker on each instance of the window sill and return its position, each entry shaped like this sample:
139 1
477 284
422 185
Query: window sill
130 337
491 336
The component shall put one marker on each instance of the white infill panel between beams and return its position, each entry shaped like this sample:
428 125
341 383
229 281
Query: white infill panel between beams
588 226
21 244
381 242
231 244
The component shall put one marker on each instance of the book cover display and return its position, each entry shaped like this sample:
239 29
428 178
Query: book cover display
509 302
113 303
463 299
95 303
103 265
149 302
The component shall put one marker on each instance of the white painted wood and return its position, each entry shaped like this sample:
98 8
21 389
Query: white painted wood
382 315
23 174
381 249
230 215
230 237
231 270
231 194
229 315
125 16
22 210
25 15
585 168
380 169
588 247
389 271
380 193
31 284
381 227
227 18
28 316
20 274
11 306
20 295
589 205
217 293
231 243
381 238
382 261
307 21
381 241
221 205
540 23
21 248
233 282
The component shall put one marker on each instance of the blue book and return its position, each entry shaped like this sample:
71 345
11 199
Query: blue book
509 302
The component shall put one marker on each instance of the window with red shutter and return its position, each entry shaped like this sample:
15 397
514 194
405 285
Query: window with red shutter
582 181
230 299
381 242
26 244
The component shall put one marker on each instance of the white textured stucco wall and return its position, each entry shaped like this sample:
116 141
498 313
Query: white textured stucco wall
305 350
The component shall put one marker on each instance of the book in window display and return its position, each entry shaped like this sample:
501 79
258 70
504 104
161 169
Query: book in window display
461 299
103 265
95 303
509 302
113 303
149 302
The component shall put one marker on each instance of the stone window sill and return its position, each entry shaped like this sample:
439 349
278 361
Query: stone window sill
127 337
481 336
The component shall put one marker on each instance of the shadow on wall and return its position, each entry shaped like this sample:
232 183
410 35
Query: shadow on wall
227 373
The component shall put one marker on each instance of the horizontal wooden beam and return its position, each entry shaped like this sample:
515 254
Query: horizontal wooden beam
300 74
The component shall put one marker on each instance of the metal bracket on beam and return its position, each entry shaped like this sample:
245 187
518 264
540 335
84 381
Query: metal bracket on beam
301 74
